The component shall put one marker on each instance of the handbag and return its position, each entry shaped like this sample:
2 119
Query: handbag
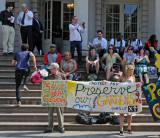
77 76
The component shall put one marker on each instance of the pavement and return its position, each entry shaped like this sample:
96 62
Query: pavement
76 134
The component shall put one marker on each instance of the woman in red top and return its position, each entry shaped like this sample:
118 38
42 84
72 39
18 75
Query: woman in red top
151 45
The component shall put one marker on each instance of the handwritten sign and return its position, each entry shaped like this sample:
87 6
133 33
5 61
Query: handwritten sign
105 96
54 93
152 95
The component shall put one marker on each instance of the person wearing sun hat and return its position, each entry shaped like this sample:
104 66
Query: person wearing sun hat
55 75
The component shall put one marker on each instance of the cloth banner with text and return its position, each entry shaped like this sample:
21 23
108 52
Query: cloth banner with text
95 96
152 95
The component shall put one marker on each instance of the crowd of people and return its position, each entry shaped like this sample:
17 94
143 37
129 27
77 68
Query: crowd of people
119 54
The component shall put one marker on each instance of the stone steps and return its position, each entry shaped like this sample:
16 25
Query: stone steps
73 126
68 117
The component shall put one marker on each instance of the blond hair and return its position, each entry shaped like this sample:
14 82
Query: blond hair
125 70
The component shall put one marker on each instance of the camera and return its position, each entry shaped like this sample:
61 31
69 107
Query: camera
83 24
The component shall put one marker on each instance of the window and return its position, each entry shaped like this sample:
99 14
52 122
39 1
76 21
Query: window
121 17
47 20
112 20
130 20
68 12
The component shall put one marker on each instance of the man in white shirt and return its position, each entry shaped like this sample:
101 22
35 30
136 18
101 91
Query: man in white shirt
118 43
25 22
102 41
76 38
133 41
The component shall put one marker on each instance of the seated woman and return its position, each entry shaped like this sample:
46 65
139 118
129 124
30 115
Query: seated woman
151 46
142 60
127 77
68 66
111 58
116 74
129 57
92 59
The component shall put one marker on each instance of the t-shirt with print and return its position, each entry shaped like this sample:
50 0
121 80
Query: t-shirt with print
52 58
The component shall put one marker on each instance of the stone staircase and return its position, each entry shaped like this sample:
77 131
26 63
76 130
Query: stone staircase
32 116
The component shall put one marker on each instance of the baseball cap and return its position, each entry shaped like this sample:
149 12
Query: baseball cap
52 45
53 66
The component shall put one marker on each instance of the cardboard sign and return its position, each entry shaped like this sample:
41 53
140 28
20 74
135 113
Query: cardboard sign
54 93
152 95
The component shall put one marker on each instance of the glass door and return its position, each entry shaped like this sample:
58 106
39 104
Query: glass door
121 17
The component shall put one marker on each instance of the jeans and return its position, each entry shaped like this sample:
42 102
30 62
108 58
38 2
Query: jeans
70 77
19 75
78 45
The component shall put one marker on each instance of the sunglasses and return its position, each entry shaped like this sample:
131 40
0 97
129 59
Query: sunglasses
111 48
130 49
130 69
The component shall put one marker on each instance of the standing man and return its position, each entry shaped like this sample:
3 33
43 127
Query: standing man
76 38
21 61
8 31
57 35
102 41
37 33
25 22
55 75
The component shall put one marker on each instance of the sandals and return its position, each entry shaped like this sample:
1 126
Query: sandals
121 133
130 131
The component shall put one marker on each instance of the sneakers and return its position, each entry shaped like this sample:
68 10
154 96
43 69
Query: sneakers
61 130
25 88
18 104
48 131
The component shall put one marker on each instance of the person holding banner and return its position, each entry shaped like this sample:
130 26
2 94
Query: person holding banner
55 75
128 77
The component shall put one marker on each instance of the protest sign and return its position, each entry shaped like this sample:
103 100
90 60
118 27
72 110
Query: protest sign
152 95
54 93
104 96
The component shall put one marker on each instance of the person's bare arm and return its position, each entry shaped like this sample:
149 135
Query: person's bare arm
34 60
14 62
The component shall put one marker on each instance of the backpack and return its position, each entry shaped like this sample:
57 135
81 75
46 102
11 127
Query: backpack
84 118
115 120
104 118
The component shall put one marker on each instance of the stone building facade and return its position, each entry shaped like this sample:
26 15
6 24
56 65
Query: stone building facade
111 16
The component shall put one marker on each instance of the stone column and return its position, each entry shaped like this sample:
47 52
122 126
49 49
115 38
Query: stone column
157 20
81 11
2 7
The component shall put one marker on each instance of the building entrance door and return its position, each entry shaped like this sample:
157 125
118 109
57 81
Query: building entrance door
56 13
121 16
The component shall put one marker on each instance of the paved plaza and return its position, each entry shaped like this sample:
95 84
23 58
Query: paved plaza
76 134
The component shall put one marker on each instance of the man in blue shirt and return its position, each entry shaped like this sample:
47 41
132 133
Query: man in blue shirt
22 69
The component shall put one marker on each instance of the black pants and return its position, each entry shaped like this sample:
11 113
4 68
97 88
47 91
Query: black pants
26 35
19 75
37 42
78 45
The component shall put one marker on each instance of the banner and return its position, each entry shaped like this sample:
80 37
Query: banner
96 96
152 94
54 93
105 96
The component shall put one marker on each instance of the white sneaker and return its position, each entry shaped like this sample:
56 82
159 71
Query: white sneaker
25 88
18 104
